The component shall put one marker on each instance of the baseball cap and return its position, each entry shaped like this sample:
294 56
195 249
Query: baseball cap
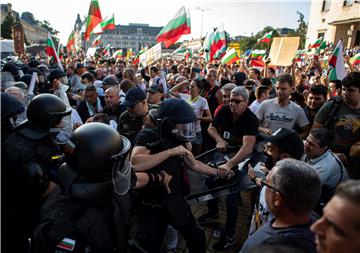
288 140
134 96
56 73
110 80
155 87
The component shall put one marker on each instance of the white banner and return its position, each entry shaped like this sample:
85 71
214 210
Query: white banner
151 55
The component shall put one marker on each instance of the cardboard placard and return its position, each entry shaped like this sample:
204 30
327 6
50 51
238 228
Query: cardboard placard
151 55
283 50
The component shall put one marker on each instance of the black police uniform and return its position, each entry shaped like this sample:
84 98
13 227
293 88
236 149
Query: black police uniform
157 208
31 161
84 214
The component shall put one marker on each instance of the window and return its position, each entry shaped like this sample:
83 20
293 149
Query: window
325 5
348 2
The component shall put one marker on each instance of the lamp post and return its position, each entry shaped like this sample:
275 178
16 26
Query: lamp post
202 17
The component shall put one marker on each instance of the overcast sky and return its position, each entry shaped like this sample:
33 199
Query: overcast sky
239 17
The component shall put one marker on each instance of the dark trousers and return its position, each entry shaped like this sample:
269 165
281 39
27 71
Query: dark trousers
232 202
175 211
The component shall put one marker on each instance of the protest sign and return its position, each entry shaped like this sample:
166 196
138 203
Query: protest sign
283 50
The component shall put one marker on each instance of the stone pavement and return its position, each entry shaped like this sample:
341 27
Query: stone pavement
214 229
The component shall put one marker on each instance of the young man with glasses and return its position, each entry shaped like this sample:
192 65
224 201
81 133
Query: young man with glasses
292 190
233 125
343 119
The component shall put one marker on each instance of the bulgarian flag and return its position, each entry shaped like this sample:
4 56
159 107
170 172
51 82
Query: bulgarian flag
257 54
97 41
336 63
117 54
106 51
106 24
317 43
266 38
355 60
71 41
300 54
230 57
180 50
94 18
218 44
178 26
50 50
137 57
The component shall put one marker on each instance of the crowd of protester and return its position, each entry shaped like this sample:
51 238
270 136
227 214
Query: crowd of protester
304 126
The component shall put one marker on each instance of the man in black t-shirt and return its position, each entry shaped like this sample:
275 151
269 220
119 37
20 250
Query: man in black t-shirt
233 125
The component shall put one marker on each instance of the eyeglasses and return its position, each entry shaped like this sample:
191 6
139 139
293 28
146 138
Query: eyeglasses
263 183
237 101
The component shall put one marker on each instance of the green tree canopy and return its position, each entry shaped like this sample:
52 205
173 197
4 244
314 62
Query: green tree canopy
6 26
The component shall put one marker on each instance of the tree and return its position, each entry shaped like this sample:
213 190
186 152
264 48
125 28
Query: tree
6 27
45 24
302 29
250 42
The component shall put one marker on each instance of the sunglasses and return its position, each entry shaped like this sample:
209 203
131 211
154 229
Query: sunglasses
237 101
263 183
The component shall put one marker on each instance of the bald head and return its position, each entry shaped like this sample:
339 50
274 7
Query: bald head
112 97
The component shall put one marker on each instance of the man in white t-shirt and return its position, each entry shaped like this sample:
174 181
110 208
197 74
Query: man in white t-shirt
280 112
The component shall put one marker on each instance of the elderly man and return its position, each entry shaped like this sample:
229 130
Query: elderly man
112 103
225 91
233 125
292 190
338 230
331 170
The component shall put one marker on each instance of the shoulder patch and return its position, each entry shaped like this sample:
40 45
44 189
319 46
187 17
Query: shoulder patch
67 244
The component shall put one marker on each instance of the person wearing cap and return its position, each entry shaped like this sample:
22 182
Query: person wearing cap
131 121
284 143
291 189
155 94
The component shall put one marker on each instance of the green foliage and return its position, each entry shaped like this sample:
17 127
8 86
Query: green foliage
6 26
250 42
45 24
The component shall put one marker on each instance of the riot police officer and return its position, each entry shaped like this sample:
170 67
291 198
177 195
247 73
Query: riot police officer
32 157
163 149
89 210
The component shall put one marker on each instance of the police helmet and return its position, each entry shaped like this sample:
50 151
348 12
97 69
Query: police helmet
99 153
177 119
45 111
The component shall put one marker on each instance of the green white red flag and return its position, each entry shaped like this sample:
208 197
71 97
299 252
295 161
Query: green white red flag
230 57
257 54
215 43
266 38
117 54
50 50
355 59
300 55
106 51
97 41
317 43
137 57
93 19
106 24
178 26
71 41
336 63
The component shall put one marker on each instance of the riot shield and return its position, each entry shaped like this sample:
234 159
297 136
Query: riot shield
204 188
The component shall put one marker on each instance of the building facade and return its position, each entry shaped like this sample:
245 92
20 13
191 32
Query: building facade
334 20
34 33
133 36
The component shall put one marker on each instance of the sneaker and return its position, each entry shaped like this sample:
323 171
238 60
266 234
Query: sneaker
224 243
207 217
